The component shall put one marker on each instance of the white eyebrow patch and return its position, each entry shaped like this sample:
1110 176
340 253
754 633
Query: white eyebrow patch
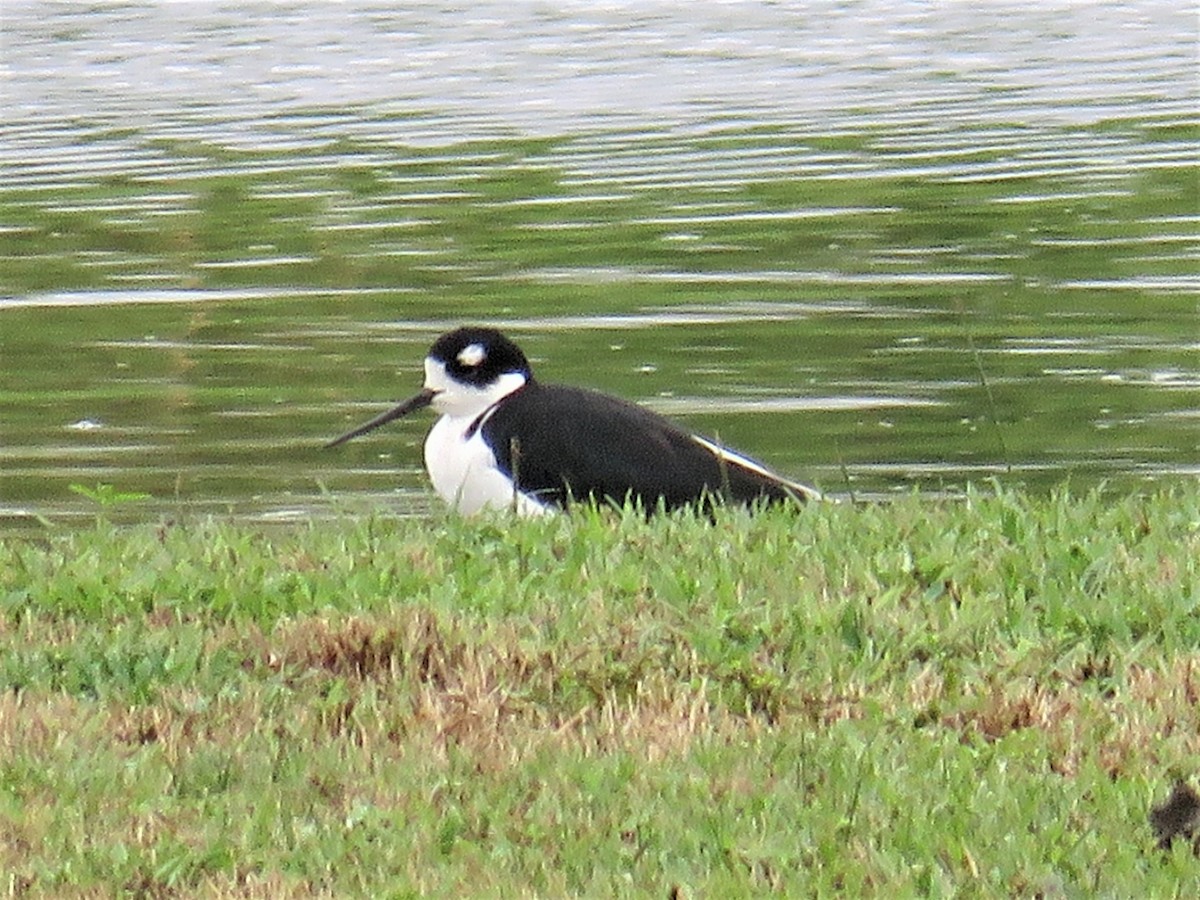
471 355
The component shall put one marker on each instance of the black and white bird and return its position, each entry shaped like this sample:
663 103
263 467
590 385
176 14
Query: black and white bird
505 440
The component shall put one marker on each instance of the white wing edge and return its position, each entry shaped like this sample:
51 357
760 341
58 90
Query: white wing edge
737 459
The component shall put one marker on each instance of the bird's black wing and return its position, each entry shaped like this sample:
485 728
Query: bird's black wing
563 443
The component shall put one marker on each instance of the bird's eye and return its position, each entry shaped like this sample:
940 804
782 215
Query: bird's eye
471 355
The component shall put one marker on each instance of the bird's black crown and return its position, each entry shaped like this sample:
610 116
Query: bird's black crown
478 356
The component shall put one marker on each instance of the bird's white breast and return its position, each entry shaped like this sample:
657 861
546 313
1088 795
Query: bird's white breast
465 474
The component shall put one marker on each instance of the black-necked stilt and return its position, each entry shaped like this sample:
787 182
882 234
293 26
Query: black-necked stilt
505 439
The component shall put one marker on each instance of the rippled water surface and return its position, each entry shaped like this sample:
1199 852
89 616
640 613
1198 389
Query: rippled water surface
878 245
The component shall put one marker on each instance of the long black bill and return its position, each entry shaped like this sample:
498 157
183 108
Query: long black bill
420 401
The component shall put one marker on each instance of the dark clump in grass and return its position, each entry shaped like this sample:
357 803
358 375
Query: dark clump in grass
914 698
1178 817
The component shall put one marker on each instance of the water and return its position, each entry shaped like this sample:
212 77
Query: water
878 245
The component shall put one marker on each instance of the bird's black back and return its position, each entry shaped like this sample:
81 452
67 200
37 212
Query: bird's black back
564 443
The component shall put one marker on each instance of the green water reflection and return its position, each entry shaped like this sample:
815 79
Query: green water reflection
864 315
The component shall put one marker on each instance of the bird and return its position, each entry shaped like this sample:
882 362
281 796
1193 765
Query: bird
506 440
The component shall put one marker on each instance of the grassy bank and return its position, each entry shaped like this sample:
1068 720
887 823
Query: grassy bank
980 696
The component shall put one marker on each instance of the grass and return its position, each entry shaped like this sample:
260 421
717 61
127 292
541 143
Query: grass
980 698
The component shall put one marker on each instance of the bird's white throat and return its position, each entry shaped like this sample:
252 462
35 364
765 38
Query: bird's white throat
461 465
464 401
